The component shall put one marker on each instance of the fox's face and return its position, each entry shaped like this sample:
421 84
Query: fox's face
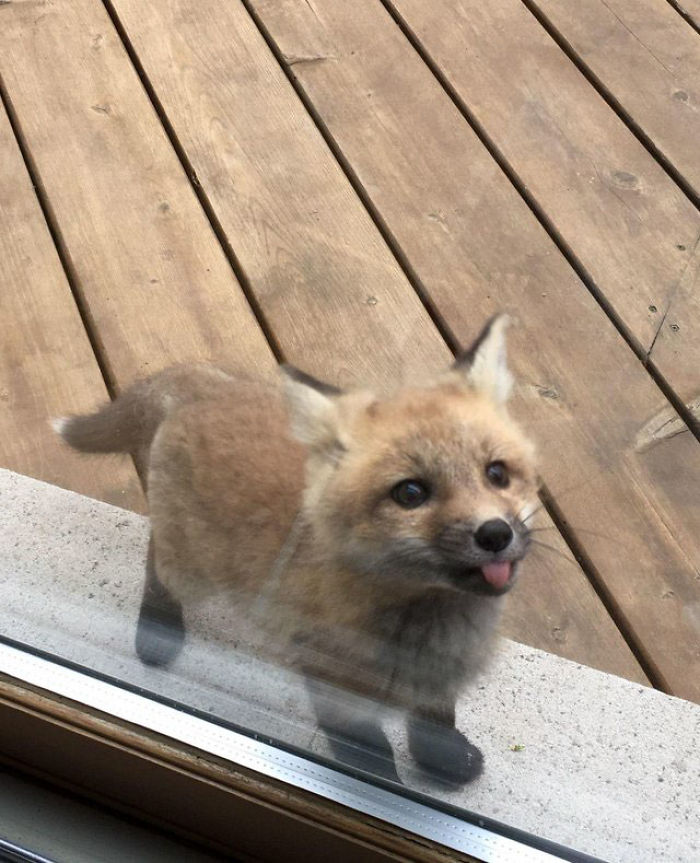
432 482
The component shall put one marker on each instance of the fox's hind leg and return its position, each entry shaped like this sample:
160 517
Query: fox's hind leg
352 728
160 631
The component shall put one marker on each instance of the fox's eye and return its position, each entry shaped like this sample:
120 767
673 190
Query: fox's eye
497 474
410 493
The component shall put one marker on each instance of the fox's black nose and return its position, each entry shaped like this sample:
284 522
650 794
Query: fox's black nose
494 535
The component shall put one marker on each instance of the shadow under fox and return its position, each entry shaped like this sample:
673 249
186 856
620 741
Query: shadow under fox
371 537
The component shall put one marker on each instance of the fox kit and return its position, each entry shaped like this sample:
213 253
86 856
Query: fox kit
371 537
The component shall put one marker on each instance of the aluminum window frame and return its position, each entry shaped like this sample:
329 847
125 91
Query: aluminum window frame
85 709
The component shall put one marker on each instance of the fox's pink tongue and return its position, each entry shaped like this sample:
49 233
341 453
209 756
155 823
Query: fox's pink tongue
497 574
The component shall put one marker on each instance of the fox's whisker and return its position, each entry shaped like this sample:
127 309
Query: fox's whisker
555 550
525 519
556 496
575 529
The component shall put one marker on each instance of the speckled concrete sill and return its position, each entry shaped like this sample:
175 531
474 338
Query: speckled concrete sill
579 757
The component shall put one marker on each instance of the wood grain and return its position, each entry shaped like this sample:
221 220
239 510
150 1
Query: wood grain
343 307
629 225
689 9
477 248
333 293
154 280
329 287
47 366
648 58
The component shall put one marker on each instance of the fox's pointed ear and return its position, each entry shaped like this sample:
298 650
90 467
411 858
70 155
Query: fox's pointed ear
312 407
484 365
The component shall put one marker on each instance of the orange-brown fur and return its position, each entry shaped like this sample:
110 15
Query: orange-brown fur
233 494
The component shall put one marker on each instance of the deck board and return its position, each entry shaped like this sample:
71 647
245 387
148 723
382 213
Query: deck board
689 9
331 291
47 366
314 257
153 277
648 59
399 131
333 294
632 229
157 288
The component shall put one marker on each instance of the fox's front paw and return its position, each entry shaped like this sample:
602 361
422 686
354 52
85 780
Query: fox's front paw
160 635
444 752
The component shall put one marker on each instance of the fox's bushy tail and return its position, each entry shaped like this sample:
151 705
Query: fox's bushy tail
130 422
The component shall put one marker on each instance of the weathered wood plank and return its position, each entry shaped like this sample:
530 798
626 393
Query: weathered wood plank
47 366
477 247
630 226
153 278
688 9
332 292
648 58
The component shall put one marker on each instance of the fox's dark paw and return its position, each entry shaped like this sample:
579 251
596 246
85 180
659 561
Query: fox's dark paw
365 747
444 753
159 635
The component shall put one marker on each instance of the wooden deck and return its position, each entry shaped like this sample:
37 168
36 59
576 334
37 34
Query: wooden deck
355 187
